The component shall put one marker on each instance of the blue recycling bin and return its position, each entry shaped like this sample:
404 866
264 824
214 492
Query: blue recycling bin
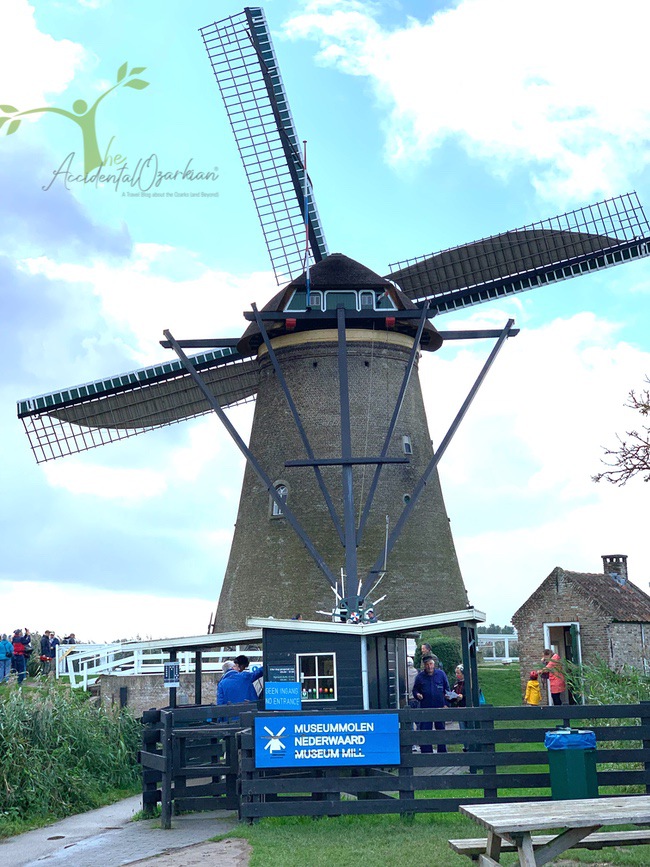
572 763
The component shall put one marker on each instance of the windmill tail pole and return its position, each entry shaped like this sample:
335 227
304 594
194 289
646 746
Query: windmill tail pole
250 457
435 460
306 198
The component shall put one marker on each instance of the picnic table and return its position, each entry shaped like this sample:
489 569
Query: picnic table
510 827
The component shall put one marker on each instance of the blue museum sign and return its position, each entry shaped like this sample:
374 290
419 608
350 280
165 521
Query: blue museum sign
327 740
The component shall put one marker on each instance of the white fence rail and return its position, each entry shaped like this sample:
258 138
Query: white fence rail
498 646
84 663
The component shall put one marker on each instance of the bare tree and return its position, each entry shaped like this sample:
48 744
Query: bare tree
632 456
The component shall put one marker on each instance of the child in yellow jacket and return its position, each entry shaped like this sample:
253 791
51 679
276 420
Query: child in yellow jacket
533 693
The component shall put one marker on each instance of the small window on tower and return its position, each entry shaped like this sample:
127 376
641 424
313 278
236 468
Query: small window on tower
276 509
367 301
406 445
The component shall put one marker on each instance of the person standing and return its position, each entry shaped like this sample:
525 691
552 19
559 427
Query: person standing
533 694
46 653
553 669
20 644
6 654
430 688
459 688
237 684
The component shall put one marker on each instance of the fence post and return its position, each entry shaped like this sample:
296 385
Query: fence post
150 778
167 776
645 720
489 747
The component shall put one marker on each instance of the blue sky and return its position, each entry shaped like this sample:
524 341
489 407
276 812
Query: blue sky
429 125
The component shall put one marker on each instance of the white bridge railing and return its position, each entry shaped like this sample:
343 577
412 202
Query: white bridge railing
84 663
498 646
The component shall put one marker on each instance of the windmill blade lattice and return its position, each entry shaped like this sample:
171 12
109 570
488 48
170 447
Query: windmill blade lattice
247 72
577 242
76 419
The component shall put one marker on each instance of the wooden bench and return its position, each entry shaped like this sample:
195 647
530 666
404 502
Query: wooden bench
477 846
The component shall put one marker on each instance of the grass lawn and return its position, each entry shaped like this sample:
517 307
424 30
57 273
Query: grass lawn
388 841
501 684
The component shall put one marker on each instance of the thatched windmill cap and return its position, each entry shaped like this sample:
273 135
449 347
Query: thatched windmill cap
339 273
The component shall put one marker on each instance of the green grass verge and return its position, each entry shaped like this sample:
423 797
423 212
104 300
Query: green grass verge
388 841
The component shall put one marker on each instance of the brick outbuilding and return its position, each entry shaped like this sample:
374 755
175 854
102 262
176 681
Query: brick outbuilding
584 616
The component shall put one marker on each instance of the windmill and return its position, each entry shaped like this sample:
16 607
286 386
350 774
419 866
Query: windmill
341 501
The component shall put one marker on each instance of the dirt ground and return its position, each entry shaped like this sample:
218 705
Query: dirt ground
225 853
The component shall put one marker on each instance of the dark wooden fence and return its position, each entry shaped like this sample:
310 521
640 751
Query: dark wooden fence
190 759
505 761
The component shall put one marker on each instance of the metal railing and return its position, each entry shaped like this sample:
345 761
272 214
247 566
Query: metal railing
498 646
82 664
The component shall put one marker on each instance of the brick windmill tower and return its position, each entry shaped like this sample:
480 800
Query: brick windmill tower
341 502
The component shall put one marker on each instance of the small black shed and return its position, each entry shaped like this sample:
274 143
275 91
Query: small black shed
346 666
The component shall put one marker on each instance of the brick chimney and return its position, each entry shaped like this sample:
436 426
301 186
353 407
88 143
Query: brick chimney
615 565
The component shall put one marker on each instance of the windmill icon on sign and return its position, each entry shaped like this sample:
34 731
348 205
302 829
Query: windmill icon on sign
340 498
274 742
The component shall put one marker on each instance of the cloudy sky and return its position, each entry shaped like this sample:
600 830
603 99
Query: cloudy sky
429 124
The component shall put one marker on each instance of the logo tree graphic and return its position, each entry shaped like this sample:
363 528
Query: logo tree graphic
81 115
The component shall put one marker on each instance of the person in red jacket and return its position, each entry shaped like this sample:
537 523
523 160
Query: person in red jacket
553 670
21 643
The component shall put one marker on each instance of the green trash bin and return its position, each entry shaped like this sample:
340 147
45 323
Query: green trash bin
572 763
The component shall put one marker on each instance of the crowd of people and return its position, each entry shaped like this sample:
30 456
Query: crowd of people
17 651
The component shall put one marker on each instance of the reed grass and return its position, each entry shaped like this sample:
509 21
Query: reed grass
60 754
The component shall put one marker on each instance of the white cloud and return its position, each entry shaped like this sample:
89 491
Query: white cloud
33 64
111 483
517 477
558 88
140 298
100 615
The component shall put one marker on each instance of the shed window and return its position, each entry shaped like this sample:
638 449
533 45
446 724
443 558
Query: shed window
282 492
317 673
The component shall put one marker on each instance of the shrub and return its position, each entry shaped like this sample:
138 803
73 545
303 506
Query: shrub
60 753
447 650
600 685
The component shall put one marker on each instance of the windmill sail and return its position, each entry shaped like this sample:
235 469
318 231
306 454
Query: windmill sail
597 236
76 419
247 72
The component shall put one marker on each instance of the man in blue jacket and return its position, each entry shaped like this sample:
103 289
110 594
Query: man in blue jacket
236 685
429 688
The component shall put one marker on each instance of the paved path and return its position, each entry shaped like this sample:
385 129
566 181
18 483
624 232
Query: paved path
108 838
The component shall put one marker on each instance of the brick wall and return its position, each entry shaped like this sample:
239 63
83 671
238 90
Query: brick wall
629 644
145 691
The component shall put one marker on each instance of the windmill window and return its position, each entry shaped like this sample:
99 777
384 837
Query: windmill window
367 301
340 299
407 448
317 675
298 301
384 302
282 492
